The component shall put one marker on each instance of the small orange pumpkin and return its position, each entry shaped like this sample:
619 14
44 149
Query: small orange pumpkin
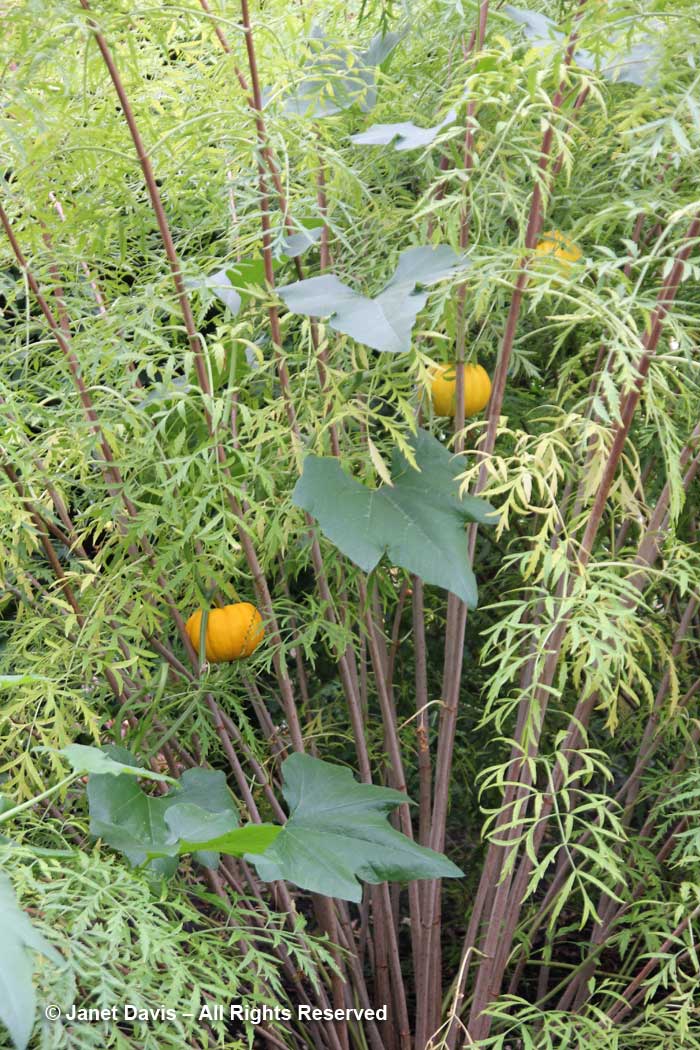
477 389
558 248
232 632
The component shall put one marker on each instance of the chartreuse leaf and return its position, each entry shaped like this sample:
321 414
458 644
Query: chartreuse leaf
11 681
200 815
418 521
84 759
211 833
384 323
402 136
338 832
19 940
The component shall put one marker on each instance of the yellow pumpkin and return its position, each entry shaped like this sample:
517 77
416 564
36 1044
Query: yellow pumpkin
477 389
232 632
555 246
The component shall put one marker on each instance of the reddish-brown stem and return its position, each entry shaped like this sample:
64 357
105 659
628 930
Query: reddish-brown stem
397 981
202 375
422 728
495 941
534 225
382 985
622 1007
157 204
245 87
59 334
649 344
486 985
379 664
322 201
532 233
429 996
111 472
396 631
254 102
608 907
629 792
633 784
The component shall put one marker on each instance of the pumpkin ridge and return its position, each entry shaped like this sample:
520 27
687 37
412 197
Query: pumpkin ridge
248 635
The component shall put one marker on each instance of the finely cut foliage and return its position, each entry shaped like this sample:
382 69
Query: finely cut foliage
120 943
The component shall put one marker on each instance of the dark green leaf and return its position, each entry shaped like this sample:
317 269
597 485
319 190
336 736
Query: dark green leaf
338 833
135 823
418 522
199 816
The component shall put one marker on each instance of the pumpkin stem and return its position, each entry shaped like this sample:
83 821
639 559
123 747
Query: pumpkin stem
234 592
208 591
203 638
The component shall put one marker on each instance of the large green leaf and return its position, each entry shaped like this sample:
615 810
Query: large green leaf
385 323
210 833
418 522
404 135
338 833
199 816
19 939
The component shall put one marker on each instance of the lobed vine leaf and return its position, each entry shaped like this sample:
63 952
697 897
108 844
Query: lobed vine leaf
417 521
338 832
384 323
404 135
199 816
